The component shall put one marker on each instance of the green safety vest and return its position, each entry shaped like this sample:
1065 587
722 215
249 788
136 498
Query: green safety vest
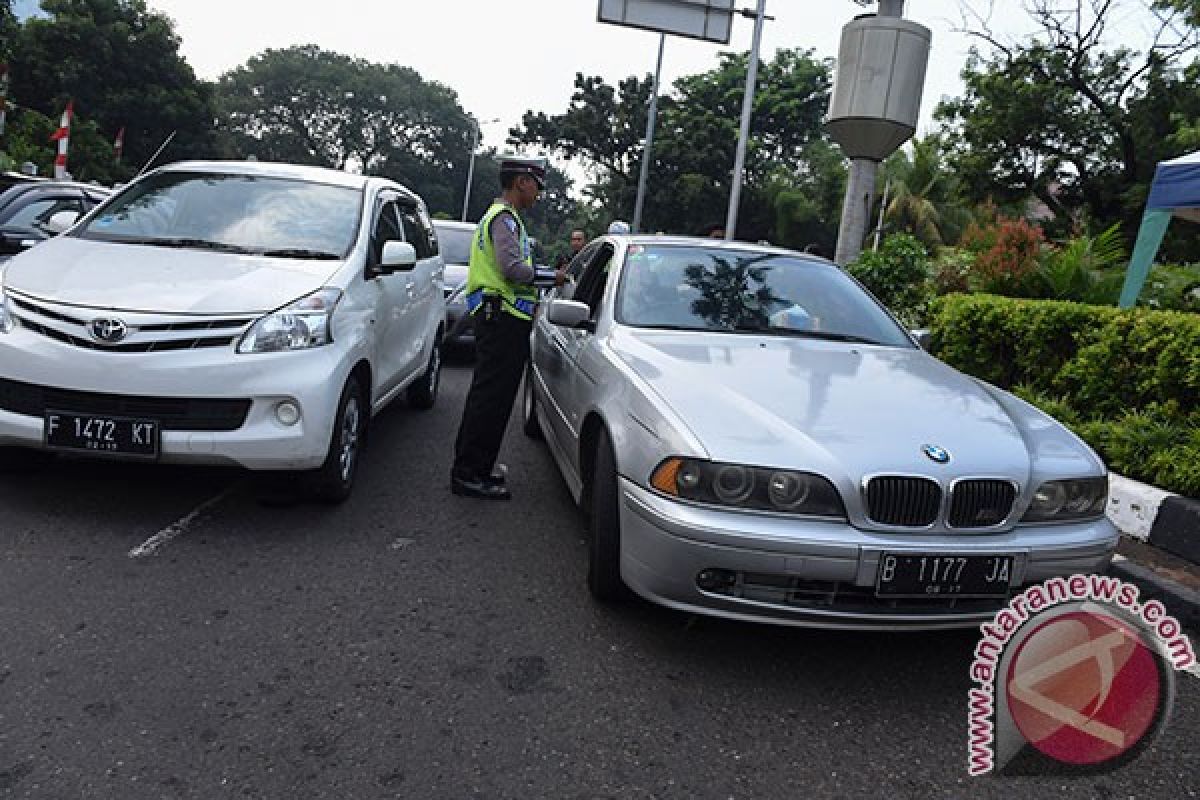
484 275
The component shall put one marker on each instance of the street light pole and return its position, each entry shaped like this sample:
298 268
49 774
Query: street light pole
471 162
645 172
739 164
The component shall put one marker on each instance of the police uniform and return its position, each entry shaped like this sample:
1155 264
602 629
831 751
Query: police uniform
502 297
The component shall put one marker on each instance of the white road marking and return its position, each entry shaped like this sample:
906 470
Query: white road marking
178 527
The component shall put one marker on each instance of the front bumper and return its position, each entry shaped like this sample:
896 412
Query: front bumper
823 573
310 379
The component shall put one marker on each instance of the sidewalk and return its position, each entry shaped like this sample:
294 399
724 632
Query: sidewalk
1160 545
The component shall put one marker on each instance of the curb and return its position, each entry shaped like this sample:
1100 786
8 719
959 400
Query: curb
1168 521
1181 602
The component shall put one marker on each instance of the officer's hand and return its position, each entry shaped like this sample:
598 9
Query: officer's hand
560 277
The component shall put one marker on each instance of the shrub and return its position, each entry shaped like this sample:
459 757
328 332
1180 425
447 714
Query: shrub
1172 286
1125 381
899 275
952 270
1006 256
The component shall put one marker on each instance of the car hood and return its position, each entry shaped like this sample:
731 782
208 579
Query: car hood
129 277
842 409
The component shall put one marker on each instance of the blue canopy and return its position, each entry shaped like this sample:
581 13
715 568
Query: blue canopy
1175 192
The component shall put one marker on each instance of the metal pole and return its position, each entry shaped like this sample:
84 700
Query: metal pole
739 164
470 167
653 114
161 147
887 186
860 196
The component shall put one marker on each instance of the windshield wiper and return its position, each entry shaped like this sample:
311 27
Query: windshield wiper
299 252
180 241
830 335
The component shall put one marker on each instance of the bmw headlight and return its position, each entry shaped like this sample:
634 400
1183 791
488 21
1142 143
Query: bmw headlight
748 487
299 326
1080 498
7 320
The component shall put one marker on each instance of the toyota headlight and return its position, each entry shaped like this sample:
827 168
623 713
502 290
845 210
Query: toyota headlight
751 488
302 325
1080 498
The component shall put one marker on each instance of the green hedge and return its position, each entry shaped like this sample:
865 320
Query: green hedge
1128 382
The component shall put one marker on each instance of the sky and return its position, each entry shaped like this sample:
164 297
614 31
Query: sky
504 58
462 43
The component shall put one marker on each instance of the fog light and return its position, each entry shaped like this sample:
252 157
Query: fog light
287 412
716 580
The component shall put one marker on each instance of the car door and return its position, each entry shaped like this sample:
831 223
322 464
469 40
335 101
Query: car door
425 288
395 324
572 384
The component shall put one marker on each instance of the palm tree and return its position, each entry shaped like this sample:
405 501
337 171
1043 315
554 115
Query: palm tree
923 195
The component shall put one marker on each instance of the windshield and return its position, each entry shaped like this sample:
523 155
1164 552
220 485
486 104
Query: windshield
235 213
716 289
455 243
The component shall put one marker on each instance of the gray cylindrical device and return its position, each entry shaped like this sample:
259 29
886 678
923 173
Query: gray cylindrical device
877 91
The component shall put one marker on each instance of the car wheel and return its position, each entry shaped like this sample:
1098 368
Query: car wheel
422 393
332 482
604 546
529 419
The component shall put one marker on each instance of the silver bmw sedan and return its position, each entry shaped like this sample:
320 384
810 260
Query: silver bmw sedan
751 435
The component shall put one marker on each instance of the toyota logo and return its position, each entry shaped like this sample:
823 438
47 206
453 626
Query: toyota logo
108 330
938 455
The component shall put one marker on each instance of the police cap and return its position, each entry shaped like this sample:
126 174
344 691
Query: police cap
518 165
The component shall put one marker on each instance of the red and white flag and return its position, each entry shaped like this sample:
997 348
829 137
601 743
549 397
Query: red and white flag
3 95
119 144
63 137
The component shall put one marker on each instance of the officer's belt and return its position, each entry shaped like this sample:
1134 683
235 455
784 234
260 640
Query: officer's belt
475 300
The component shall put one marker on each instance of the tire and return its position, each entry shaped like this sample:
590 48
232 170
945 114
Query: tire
604 546
529 419
422 393
332 482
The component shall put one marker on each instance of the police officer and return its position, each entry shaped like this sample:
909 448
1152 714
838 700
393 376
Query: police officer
502 297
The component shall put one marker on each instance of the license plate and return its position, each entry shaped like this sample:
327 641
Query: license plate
101 434
924 575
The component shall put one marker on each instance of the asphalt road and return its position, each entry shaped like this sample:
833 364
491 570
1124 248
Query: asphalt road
414 644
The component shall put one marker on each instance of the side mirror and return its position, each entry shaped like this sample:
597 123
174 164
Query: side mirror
60 221
568 313
398 256
923 337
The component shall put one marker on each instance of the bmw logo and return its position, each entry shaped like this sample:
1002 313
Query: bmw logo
108 330
938 455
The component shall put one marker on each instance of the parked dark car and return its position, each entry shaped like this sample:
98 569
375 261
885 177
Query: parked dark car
454 243
31 212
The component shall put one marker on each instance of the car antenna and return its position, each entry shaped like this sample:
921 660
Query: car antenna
161 147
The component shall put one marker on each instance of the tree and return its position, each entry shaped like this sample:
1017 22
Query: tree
694 162
923 195
306 105
1054 117
8 30
603 128
120 63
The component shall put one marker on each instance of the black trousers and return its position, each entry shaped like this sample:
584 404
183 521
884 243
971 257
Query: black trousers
501 351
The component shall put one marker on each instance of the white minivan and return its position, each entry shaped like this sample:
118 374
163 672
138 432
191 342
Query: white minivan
236 313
